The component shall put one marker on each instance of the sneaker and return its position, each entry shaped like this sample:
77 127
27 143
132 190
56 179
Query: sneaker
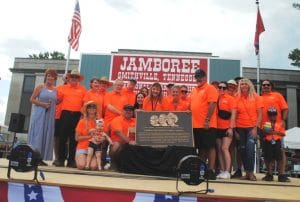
237 174
106 166
219 176
210 175
71 165
268 177
283 178
225 175
58 163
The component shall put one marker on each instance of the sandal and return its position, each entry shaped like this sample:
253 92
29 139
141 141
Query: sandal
246 177
252 177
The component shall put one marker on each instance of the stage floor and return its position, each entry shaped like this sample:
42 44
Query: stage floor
114 181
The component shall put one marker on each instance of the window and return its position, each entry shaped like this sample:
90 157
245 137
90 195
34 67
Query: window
25 105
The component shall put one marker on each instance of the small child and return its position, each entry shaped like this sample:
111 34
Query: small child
272 145
96 143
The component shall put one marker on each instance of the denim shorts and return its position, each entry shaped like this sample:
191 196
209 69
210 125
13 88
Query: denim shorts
81 151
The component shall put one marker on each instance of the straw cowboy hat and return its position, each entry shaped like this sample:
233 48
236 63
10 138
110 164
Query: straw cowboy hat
85 106
105 80
75 72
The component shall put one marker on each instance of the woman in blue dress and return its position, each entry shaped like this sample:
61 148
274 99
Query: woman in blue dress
41 131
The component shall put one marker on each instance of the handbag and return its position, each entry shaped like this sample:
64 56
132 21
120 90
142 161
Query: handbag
223 114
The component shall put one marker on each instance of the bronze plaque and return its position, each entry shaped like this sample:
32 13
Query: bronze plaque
162 129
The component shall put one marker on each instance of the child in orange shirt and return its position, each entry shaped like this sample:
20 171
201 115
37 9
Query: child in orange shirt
272 145
96 143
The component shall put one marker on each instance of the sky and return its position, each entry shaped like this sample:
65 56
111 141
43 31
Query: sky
224 28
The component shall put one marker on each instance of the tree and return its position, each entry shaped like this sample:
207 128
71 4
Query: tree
295 57
296 5
55 55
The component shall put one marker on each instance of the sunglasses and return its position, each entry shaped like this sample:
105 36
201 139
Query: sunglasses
222 87
184 91
91 107
266 84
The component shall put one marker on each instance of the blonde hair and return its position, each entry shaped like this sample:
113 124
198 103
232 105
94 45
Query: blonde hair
85 106
251 92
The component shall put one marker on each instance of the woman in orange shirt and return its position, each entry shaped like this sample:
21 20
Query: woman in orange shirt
225 124
94 94
176 103
155 100
248 116
83 135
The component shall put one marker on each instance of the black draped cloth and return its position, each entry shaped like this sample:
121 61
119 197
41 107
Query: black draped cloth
151 161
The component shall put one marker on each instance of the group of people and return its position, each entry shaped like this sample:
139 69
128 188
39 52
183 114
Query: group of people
83 126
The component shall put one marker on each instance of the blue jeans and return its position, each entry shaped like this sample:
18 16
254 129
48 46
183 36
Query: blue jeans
247 143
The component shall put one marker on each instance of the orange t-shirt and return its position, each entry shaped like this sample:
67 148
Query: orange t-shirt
94 96
121 124
187 101
200 99
181 105
247 111
82 128
273 99
130 96
115 99
154 106
58 107
227 103
278 128
72 97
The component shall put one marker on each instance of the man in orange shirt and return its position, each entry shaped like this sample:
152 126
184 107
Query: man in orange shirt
129 91
113 103
276 100
71 96
57 122
121 126
104 85
203 106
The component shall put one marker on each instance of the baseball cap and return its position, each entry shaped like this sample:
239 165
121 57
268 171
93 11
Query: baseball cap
199 73
128 107
231 81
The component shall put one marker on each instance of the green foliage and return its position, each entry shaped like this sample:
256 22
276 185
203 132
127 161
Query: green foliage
295 57
55 55
296 5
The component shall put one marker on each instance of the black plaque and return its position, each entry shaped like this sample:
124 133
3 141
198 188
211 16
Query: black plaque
161 129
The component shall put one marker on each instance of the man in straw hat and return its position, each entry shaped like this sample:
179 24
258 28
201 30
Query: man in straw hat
104 85
71 96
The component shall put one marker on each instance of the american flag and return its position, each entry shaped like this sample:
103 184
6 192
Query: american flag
12 192
75 29
259 29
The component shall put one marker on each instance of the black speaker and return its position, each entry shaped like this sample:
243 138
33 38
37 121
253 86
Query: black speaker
16 123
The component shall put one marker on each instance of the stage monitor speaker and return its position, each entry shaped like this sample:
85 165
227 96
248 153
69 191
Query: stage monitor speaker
16 123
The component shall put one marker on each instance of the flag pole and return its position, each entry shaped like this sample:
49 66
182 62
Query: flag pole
258 63
68 59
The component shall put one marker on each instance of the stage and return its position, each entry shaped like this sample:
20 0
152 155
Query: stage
109 182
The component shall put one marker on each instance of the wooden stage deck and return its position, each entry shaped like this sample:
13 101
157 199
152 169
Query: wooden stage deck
114 181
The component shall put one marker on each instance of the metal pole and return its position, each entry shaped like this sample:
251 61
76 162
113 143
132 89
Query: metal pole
258 73
257 149
68 58
258 62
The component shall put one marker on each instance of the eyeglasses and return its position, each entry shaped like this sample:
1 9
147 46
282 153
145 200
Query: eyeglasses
222 87
184 91
266 84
